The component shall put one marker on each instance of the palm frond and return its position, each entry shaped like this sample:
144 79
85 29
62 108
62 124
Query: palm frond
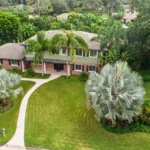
82 43
115 93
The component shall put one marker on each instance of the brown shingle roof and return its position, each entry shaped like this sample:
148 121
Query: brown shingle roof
12 51
94 45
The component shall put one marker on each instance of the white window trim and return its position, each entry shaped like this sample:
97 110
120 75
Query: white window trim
60 53
76 69
80 55
13 64
92 66
93 56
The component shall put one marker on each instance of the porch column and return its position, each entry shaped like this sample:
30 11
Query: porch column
22 62
68 70
45 68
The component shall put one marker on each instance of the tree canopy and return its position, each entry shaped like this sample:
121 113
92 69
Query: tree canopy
9 28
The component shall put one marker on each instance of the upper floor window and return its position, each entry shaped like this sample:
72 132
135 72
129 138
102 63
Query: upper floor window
93 53
1 61
79 52
14 62
63 51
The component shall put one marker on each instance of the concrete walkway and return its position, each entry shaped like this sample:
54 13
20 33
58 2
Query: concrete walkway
17 142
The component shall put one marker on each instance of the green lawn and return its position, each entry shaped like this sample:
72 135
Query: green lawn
147 88
8 120
57 119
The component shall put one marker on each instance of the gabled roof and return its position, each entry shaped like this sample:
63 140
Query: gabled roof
12 51
92 44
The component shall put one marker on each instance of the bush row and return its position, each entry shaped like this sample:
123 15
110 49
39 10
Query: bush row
140 123
28 73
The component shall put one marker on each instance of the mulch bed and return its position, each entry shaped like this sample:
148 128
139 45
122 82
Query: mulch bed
7 106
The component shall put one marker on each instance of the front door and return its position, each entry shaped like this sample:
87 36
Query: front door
58 67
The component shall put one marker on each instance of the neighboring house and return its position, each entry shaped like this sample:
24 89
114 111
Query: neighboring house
85 62
129 16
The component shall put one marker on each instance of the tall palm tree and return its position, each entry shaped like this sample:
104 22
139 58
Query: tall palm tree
39 46
113 37
115 93
71 42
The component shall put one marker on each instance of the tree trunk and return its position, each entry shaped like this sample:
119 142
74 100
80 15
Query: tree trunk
67 61
38 7
42 64
4 102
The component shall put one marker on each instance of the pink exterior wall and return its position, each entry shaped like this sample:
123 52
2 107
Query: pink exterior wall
49 66
5 64
37 67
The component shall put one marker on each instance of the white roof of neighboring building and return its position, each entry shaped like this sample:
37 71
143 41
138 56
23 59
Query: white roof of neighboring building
129 15
65 16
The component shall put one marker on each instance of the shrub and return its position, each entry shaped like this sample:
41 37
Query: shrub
29 73
15 70
83 76
145 74
146 107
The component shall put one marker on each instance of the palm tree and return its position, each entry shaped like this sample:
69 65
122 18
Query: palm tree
113 37
7 82
71 42
112 56
39 46
115 93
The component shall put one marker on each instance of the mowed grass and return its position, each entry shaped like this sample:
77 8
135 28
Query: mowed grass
147 88
57 119
8 119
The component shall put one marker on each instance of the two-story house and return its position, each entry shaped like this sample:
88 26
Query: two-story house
86 62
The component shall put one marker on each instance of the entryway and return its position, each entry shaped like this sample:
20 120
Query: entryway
58 67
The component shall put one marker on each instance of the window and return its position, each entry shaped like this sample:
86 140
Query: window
91 68
14 62
78 67
63 51
0 61
79 52
93 53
